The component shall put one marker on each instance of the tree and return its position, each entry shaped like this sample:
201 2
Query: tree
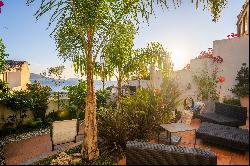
242 87
141 67
39 96
83 27
77 97
3 55
55 74
19 103
118 54
207 84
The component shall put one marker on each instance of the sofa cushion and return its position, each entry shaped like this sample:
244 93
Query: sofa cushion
219 119
232 137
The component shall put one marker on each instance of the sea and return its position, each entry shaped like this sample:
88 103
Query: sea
72 81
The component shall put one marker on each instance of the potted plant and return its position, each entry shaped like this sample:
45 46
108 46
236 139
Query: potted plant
241 89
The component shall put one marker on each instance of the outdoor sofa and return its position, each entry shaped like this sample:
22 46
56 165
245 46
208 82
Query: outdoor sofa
225 114
142 153
226 136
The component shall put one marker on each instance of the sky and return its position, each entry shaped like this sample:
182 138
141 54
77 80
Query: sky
183 31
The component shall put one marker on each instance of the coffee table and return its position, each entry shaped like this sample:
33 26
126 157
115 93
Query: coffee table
178 127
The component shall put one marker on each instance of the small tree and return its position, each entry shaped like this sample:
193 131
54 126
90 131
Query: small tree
19 102
242 78
3 55
39 96
118 54
77 98
207 84
55 75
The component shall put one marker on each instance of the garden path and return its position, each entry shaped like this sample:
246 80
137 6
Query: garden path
24 152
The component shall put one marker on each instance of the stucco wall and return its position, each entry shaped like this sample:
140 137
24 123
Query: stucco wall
234 52
185 81
143 83
18 78
6 112
25 75
14 79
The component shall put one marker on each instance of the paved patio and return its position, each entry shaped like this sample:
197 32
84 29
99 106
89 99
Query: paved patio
224 156
25 151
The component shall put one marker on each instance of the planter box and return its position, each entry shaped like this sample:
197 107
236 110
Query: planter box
244 102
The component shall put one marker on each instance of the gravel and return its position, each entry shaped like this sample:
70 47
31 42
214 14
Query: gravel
18 137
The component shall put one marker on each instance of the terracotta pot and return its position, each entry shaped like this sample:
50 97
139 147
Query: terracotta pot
244 102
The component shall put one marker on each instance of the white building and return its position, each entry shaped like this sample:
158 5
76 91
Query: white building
17 74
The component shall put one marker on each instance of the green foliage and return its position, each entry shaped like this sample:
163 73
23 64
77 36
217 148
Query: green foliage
19 103
52 116
54 74
102 97
232 101
104 159
114 128
140 117
4 89
215 7
207 85
3 55
30 126
242 78
77 98
170 94
39 96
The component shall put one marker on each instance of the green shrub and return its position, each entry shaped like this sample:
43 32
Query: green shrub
102 97
231 101
114 128
103 159
77 95
39 97
19 102
30 126
139 119
242 78
52 116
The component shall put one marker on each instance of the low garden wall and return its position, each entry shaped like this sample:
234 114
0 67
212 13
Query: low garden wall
6 112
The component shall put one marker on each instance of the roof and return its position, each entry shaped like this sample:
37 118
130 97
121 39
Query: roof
11 64
242 10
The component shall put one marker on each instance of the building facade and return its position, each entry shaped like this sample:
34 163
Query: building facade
243 20
17 74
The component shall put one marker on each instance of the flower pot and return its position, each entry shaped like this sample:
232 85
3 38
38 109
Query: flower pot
244 102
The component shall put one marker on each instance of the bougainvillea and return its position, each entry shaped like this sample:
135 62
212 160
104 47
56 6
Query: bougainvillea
187 67
1 5
206 54
221 79
233 35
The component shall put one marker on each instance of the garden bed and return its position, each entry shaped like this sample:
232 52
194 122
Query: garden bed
18 137
73 157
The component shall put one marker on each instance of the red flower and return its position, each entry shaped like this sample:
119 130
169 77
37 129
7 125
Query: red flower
232 34
1 3
228 36
221 79
237 35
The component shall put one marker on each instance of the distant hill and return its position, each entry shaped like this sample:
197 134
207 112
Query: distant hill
34 76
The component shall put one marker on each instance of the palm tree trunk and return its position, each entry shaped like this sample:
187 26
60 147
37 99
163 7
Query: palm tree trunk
90 147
